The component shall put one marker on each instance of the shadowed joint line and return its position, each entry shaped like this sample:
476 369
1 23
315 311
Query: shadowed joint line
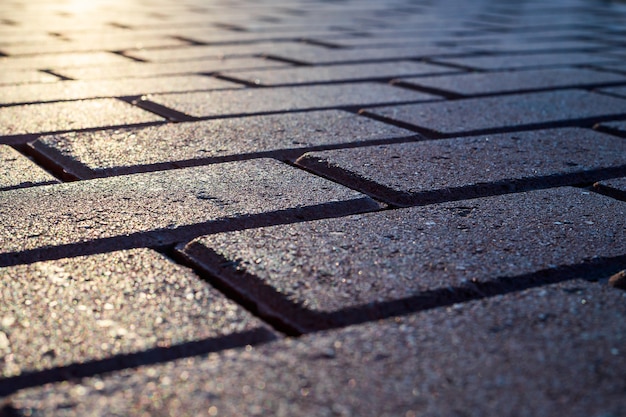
123 361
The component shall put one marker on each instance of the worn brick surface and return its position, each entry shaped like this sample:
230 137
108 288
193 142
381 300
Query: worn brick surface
417 173
504 62
17 171
512 111
336 73
89 310
164 203
286 98
76 90
512 81
331 272
50 117
126 150
508 355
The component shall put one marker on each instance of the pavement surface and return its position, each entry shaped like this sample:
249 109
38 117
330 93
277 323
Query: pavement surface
313 208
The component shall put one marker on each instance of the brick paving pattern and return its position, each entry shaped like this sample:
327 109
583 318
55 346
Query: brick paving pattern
356 208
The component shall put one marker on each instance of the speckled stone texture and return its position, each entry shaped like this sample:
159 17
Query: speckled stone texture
64 116
76 90
330 73
337 271
556 350
286 98
80 310
127 150
511 111
17 171
422 172
163 207
511 81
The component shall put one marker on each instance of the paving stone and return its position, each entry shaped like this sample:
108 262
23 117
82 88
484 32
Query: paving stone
426 171
17 171
51 117
511 111
250 101
334 272
75 90
350 72
90 45
616 91
546 46
68 60
618 127
562 343
135 70
26 76
221 51
102 306
89 154
160 207
336 56
507 62
512 81
615 187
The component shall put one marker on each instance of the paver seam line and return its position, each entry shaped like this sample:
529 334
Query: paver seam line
158 109
597 67
609 191
23 149
71 169
120 362
163 237
586 123
449 95
51 72
271 305
123 53
277 58
465 192
609 130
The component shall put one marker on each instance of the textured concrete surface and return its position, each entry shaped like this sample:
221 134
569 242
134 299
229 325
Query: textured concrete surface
399 208
427 171
332 272
546 351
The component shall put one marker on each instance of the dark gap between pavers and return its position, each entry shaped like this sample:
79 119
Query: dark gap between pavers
615 187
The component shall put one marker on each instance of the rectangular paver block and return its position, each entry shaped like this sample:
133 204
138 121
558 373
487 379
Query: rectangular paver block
71 115
17 171
71 311
426 171
504 112
250 101
334 272
333 73
544 351
68 60
89 154
76 90
512 81
160 207
504 62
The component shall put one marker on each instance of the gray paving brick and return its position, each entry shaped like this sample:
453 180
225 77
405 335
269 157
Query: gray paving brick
336 56
552 46
105 153
505 62
511 111
615 187
51 117
135 70
512 81
470 359
26 76
18 171
76 90
618 127
86 309
301 75
337 271
420 172
221 51
137 207
286 98
68 60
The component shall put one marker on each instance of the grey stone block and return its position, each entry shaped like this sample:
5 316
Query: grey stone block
17 171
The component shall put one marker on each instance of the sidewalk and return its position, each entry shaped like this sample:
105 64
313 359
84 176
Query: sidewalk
313 208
